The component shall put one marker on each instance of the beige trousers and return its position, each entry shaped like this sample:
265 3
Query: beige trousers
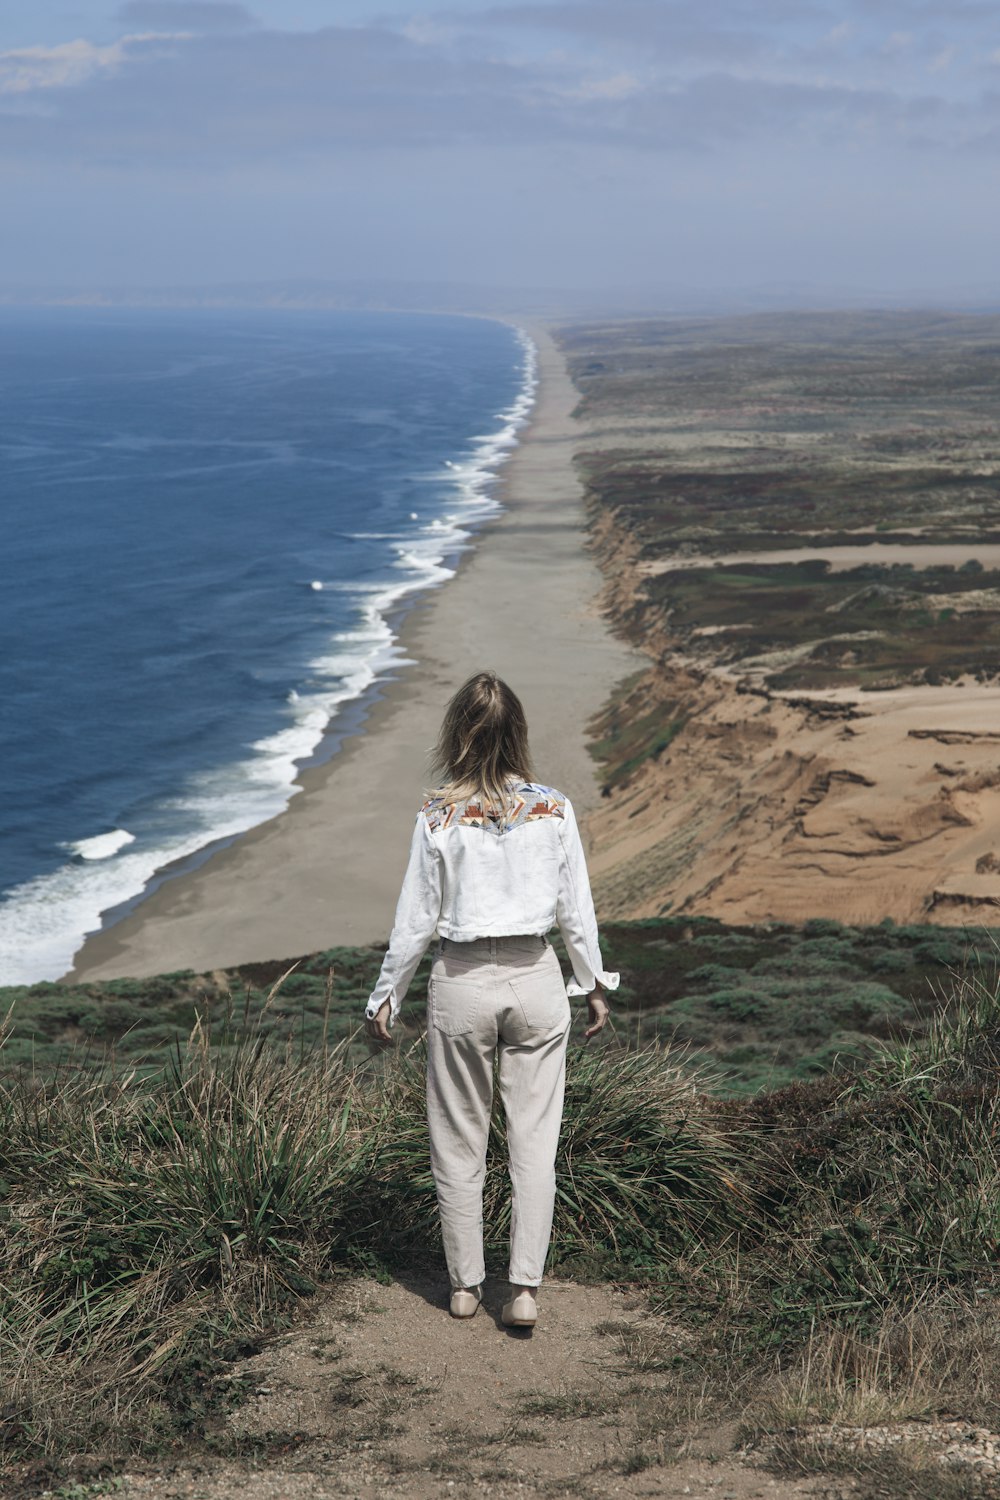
501 996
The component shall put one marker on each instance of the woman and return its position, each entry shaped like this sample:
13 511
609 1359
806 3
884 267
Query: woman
495 862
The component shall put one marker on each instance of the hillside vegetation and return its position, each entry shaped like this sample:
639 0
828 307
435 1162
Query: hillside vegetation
764 1004
829 1246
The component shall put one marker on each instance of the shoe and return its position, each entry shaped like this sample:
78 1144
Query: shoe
521 1311
465 1300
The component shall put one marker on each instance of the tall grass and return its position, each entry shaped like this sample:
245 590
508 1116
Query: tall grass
921 1358
864 1287
155 1224
146 1225
894 1181
151 1225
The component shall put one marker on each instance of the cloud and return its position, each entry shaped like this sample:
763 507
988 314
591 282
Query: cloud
942 61
581 140
617 86
188 15
671 29
424 31
260 95
25 69
272 96
899 41
228 99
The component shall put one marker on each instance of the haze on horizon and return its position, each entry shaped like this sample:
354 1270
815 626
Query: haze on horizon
553 143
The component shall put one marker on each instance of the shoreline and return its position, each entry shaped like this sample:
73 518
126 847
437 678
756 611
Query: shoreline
521 601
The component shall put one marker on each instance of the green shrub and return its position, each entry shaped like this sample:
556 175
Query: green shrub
886 1180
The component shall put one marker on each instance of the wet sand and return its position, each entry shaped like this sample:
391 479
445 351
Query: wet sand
327 870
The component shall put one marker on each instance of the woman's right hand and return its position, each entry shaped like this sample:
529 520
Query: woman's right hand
378 1027
598 1008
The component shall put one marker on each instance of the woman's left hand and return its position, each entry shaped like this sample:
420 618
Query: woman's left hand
378 1027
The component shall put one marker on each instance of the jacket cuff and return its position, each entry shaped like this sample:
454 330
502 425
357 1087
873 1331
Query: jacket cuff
605 977
376 1003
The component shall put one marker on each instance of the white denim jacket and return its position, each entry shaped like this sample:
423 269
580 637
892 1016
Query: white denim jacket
471 875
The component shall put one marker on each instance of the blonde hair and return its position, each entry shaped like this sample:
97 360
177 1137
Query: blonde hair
483 744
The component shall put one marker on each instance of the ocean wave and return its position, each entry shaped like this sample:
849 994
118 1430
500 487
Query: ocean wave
44 920
102 845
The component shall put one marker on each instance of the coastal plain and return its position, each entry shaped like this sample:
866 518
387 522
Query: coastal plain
797 517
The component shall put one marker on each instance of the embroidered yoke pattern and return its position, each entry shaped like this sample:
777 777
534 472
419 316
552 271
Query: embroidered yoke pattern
532 801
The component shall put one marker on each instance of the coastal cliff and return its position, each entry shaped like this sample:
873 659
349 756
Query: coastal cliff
798 522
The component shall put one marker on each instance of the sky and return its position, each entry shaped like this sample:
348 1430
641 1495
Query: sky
571 144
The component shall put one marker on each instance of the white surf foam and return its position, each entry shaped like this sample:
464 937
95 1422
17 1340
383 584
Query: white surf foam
102 845
44 921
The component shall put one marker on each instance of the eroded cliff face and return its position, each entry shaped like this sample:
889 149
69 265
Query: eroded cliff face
725 798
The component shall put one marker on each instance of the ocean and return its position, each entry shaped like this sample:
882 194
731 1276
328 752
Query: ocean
211 524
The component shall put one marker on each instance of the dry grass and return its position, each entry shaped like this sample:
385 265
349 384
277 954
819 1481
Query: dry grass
938 1357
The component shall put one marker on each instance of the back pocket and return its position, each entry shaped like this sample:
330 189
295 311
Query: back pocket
454 1002
541 995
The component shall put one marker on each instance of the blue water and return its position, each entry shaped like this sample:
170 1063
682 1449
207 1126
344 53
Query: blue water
209 523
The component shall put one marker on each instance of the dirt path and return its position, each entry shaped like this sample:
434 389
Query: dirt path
380 1393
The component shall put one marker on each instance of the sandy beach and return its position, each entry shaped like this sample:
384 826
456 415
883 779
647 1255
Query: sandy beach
327 870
